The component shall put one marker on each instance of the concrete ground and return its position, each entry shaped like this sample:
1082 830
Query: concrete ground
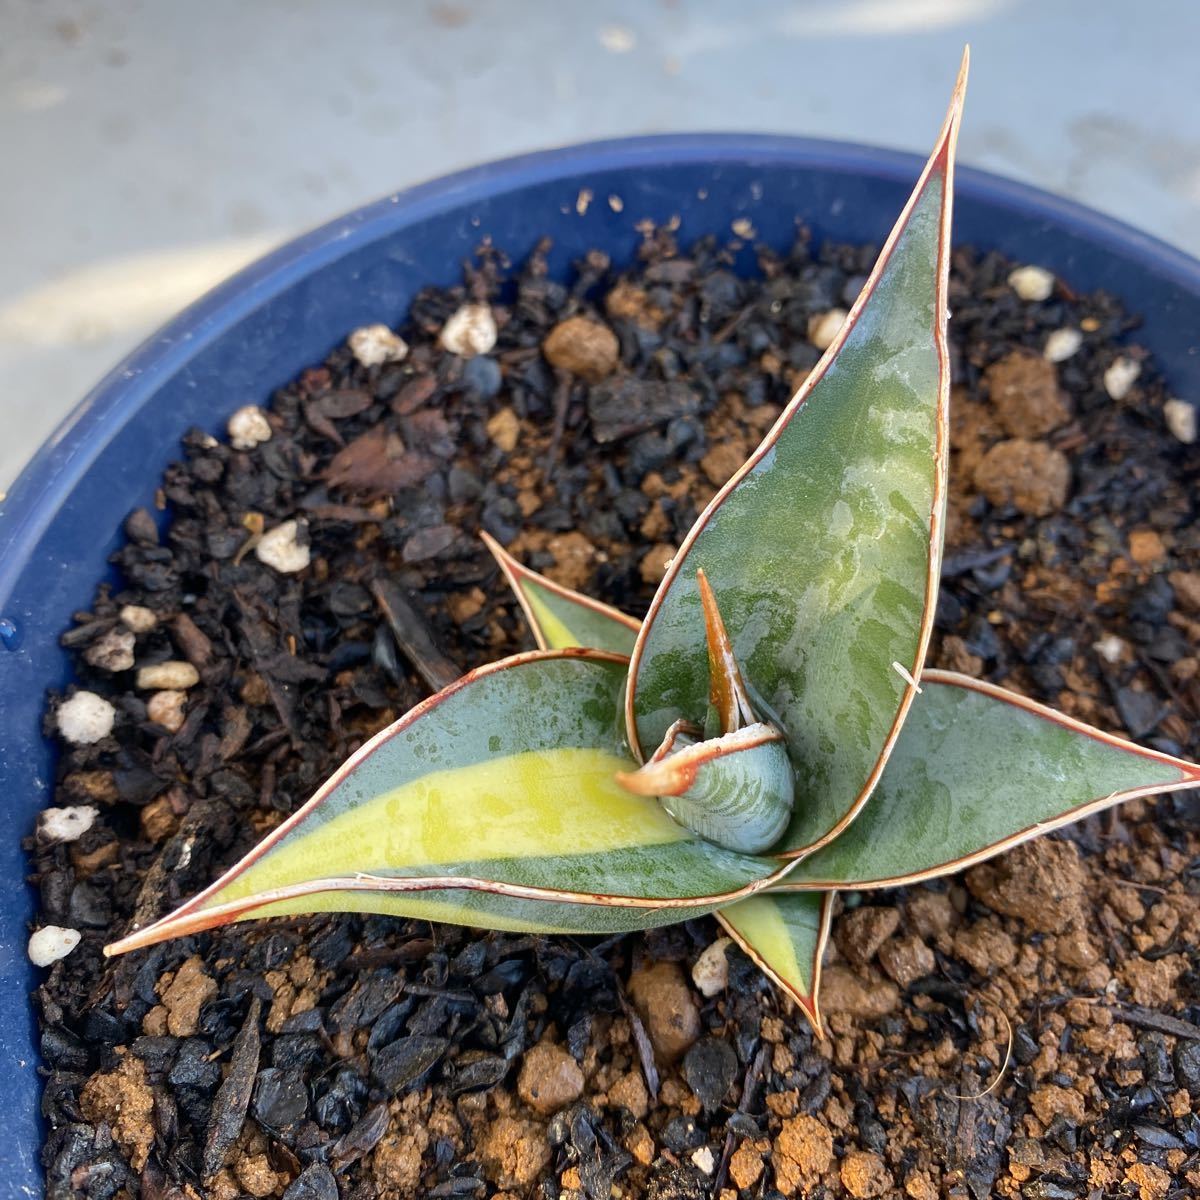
151 148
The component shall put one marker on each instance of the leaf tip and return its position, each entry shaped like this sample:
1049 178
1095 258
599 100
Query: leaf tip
957 99
811 1008
138 940
655 779
504 560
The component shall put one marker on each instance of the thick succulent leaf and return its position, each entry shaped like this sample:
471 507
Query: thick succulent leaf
493 803
561 618
977 770
785 933
824 548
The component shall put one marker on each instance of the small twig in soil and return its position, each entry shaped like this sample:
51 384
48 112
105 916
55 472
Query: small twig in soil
1160 1022
726 331
562 400
642 1041
991 1087
1141 887
414 636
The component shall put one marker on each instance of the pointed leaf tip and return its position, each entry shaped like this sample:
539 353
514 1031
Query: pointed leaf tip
820 605
726 690
560 617
786 933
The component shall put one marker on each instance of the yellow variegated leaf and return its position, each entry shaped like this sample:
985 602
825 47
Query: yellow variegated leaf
785 933
493 803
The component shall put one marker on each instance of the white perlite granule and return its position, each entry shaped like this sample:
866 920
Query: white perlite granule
1180 417
282 548
65 824
374 345
85 718
470 331
138 618
711 972
165 708
1062 344
173 675
1032 283
824 327
248 427
50 943
1121 376
1110 648
111 652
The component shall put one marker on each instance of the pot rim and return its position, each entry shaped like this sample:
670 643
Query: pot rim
38 492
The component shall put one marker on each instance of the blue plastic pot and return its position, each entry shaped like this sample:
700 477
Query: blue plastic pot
62 518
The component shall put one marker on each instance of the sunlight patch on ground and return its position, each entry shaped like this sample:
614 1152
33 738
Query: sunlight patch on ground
107 298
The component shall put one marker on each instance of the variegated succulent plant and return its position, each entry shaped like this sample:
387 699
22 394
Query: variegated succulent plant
758 741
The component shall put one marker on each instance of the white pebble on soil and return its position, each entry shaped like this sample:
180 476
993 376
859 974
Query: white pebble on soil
1032 283
470 331
1121 376
138 618
824 327
1110 648
165 708
1180 417
50 943
711 972
1062 344
56 825
85 718
248 427
703 1160
174 674
374 345
283 549
111 652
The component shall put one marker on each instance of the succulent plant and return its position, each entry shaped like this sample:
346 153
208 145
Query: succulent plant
766 736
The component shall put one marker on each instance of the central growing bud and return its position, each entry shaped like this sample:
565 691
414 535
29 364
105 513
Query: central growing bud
731 782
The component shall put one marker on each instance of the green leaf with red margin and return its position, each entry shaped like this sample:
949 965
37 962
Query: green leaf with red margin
494 803
824 549
560 617
785 933
977 770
